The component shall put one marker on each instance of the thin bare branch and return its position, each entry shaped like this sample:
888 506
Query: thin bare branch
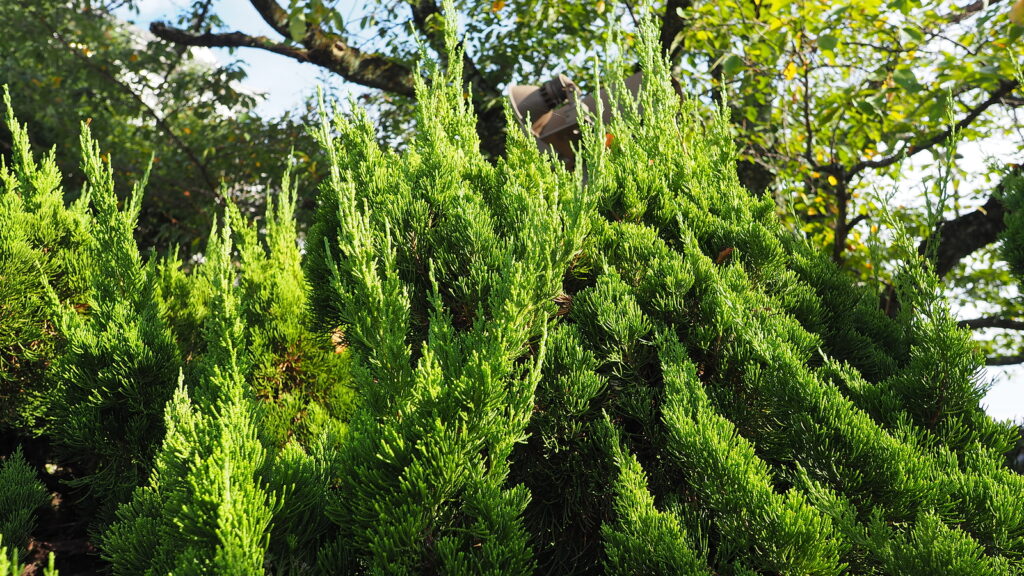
1005 360
161 122
971 9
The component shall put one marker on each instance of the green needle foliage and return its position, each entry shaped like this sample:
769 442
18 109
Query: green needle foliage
1013 237
441 270
205 509
633 368
120 362
712 395
21 495
644 540
300 377
42 245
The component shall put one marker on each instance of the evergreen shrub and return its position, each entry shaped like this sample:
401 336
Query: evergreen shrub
508 368
633 368
204 510
120 363
42 244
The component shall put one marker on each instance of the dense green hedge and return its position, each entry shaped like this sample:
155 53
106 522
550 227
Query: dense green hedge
499 368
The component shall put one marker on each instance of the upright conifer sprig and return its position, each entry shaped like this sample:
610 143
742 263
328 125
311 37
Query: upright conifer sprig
939 389
644 540
301 375
439 253
120 363
205 509
42 244
21 496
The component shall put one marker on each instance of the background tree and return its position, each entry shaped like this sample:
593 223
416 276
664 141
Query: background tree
67 62
829 101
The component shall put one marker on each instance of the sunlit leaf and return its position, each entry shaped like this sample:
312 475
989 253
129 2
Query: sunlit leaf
790 71
297 26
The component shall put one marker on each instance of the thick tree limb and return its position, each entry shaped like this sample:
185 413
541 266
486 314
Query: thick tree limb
971 9
962 236
1005 360
672 24
273 15
325 50
332 52
993 322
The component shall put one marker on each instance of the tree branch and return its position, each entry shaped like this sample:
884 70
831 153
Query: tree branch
1004 89
332 52
672 24
966 12
1005 360
325 50
992 322
160 121
273 15
962 236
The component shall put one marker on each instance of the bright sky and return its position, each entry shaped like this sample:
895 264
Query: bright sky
285 84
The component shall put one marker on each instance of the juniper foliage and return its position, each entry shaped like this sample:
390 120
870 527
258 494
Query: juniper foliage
1012 247
628 369
120 362
42 245
300 377
441 270
205 509
711 396
21 495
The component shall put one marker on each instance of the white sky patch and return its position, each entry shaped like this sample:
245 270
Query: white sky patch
281 84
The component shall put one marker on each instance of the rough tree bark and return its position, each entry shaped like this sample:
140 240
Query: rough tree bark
961 237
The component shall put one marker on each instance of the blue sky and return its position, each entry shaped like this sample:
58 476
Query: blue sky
285 83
